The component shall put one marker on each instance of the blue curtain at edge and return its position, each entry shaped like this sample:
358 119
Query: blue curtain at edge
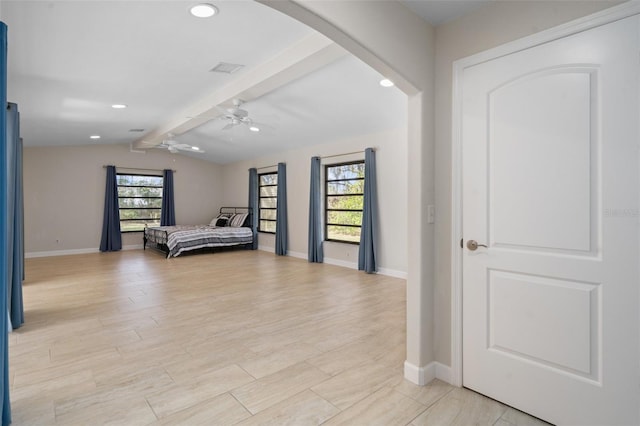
15 216
168 211
4 242
111 237
282 225
253 204
316 253
369 232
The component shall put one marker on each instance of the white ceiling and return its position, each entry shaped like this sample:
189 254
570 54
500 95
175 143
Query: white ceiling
69 61
437 12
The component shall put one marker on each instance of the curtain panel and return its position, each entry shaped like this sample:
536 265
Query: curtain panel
168 211
282 225
111 237
4 241
253 204
315 253
369 232
15 216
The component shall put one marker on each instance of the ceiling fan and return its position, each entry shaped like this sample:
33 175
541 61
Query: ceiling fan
174 146
236 116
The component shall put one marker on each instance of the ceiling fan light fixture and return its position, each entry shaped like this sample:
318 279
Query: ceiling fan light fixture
254 129
385 82
203 10
195 148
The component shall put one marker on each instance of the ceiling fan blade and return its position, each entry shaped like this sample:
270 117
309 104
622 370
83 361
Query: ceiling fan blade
228 126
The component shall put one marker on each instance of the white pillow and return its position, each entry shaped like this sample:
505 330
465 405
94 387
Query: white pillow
237 220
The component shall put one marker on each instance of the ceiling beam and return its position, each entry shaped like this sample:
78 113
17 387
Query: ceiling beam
308 55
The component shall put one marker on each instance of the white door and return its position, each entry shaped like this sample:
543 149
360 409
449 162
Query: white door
551 186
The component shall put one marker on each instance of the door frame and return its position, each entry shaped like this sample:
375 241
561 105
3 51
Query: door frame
573 27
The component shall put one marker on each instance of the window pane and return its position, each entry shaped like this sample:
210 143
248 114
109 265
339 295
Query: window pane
344 218
270 179
268 203
354 202
345 171
268 191
142 191
140 202
346 187
140 180
267 226
268 214
343 233
138 225
140 214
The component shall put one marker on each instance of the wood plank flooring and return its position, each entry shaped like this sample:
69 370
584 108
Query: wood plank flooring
240 337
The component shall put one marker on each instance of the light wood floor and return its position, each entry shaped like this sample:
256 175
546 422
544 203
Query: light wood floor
239 337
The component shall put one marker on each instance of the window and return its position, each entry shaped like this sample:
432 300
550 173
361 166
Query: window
268 194
139 200
344 198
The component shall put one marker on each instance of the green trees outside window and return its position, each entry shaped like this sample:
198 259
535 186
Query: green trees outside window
139 200
344 197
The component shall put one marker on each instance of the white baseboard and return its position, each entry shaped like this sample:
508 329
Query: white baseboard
60 252
337 262
444 373
267 248
298 255
392 273
419 375
423 375
52 253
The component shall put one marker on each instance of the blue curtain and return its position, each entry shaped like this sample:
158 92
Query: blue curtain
15 216
282 224
316 253
168 212
253 204
4 241
369 231
111 237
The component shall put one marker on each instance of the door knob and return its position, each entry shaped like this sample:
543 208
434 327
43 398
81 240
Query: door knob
473 245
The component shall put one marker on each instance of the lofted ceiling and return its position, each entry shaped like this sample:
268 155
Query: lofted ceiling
69 61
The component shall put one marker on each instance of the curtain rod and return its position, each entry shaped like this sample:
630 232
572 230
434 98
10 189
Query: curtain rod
342 155
137 168
266 167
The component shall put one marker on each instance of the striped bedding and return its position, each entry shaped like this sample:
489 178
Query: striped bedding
180 239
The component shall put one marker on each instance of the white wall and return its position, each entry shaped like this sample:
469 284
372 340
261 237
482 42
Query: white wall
401 45
64 193
391 154
497 23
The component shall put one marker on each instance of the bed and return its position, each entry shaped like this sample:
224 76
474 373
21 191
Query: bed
231 228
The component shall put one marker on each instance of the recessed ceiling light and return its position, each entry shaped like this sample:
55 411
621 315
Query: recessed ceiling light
254 129
385 82
118 106
94 137
203 10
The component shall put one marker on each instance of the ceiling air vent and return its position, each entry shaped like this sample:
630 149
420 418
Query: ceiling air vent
136 130
226 68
